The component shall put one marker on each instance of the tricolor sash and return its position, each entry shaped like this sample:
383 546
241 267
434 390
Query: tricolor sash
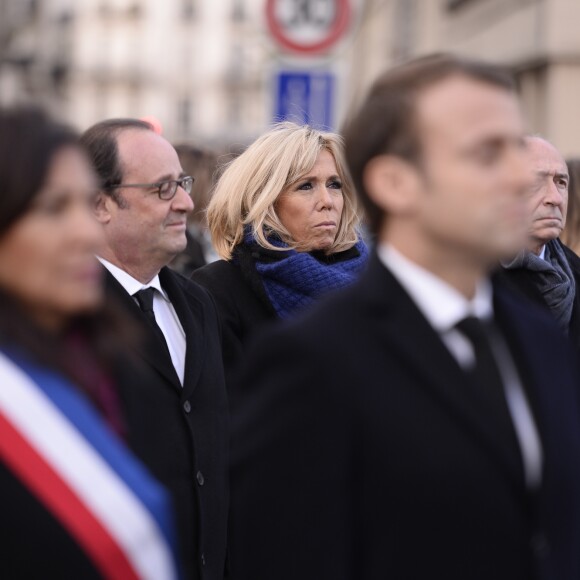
60 449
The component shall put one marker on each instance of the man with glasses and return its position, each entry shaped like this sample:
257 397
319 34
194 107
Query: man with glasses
178 422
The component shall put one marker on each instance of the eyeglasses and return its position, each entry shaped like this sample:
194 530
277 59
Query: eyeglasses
166 190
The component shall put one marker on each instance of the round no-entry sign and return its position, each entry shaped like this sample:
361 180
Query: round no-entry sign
307 26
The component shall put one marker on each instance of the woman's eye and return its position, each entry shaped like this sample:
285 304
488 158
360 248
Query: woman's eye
335 185
305 186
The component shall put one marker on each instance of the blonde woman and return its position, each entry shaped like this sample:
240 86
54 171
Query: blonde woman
284 221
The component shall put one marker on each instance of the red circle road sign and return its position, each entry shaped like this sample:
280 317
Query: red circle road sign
307 26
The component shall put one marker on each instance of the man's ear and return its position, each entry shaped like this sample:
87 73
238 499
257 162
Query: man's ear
102 207
392 183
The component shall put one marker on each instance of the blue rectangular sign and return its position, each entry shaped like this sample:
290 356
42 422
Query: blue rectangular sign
305 98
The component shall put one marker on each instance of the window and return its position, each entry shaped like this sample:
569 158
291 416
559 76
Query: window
457 4
238 11
187 10
184 116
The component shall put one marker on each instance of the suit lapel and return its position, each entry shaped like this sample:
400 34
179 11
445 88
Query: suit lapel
191 315
414 343
149 349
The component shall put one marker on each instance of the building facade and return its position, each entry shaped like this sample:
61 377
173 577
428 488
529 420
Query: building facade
206 69
537 39
196 66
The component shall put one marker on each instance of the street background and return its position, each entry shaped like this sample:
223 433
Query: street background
218 72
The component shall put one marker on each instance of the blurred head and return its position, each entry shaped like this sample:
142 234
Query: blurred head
136 166
48 235
202 165
292 181
438 155
571 234
548 196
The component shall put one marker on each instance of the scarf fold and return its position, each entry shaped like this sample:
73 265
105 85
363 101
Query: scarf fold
554 279
292 280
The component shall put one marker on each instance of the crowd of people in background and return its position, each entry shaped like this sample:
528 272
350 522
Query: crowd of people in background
334 356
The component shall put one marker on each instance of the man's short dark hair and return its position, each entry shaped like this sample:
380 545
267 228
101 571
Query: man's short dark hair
386 123
100 141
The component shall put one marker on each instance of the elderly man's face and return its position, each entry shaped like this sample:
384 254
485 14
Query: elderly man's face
146 232
548 198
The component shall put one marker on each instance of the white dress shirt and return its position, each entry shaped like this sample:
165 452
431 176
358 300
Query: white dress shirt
542 255
165 314
443 306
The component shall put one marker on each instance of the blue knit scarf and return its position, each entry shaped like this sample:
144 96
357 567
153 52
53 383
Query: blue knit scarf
296 279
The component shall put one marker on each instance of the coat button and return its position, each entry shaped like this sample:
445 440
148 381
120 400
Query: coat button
187 407
540 545
203 559
200 478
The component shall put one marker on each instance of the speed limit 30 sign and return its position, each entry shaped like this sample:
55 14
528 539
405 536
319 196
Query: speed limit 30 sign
308 26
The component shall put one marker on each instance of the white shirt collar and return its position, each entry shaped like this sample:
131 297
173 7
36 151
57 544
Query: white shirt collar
542 255
441 304
130 284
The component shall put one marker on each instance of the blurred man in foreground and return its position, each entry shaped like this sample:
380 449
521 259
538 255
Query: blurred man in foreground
548 272
418 425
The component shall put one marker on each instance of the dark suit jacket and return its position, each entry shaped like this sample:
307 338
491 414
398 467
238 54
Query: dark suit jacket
181 433
525 281
360 451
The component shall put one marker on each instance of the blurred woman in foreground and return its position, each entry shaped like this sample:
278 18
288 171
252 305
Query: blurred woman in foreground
284 220
75 503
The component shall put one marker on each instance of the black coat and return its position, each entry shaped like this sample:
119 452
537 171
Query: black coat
525 281
181 433
35 543
243 307
360 452
241 298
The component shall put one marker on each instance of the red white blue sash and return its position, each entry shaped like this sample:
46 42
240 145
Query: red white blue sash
60 449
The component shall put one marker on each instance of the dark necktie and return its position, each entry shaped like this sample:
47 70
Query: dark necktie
487 379
485 370
145 299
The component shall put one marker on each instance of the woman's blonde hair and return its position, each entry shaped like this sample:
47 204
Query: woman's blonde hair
571 234
246 193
